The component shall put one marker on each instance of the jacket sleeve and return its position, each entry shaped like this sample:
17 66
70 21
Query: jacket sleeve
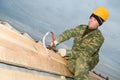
86 48
67 34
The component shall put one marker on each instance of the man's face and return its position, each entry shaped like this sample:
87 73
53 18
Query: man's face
93 23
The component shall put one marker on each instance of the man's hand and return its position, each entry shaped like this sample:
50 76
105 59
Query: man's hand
62 52
51 48
54 44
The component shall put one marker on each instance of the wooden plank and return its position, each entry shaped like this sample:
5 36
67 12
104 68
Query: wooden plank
6 74
19 50
93 76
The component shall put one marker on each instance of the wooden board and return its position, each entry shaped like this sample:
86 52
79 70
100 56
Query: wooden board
19 50
6 74
93 76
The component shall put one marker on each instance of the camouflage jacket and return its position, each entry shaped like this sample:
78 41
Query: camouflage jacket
87 45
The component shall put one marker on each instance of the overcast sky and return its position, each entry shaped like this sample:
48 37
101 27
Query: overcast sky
58 15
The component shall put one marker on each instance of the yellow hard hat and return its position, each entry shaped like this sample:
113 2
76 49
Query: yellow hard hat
101 12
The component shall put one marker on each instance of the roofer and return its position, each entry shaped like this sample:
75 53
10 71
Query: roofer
88 39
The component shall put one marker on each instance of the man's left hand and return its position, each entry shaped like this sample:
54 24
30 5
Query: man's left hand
62 52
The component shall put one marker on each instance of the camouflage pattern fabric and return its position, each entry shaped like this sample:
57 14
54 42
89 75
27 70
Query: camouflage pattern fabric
84 53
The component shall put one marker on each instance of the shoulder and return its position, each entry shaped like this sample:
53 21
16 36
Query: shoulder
99 34
82 26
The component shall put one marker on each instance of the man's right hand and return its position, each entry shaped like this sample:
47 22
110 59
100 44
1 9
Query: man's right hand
54 44
51 48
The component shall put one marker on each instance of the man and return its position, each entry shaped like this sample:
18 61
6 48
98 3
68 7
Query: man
88 39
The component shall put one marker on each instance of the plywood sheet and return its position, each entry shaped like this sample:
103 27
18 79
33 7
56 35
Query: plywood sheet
6 74
19 50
